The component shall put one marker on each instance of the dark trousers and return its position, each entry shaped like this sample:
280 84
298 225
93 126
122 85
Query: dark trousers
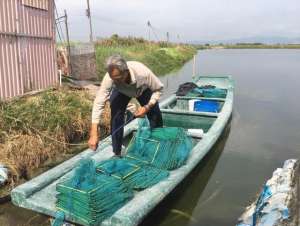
118 103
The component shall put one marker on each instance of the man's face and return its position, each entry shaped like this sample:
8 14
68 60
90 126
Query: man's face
117 76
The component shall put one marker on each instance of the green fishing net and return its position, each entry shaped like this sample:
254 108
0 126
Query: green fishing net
90 197
208 92
135 174
164 148
95 192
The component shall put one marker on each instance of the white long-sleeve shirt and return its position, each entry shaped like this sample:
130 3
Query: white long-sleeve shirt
142 78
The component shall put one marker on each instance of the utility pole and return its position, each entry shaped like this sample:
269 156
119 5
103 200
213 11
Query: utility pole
68 42
149 27
168 37
178 39
194 67
88 14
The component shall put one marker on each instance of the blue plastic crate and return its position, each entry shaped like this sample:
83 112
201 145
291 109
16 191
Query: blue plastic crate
207 106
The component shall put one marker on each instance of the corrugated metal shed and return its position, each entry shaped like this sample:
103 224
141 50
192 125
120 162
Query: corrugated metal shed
27 46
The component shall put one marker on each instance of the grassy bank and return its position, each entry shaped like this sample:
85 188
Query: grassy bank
37 129
160 57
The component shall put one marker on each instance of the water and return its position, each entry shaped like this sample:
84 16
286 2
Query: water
264 131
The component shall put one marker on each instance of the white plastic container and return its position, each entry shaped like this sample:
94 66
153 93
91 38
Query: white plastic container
197 133
3 174
192 104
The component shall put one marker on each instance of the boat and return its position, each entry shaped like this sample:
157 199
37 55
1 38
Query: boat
39 194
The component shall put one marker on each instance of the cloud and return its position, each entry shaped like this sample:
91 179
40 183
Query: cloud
191 19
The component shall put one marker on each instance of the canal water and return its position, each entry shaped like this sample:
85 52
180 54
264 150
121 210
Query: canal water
263 132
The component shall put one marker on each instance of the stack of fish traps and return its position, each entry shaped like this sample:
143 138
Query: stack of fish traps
91 197
96 191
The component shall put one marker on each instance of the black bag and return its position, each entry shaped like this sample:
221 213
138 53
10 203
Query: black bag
185 88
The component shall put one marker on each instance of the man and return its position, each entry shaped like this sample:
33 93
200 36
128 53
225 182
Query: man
123 81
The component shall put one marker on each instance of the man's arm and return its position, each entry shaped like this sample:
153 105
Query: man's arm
94 138
156 87
101 97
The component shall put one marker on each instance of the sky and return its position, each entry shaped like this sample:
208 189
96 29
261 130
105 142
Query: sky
185 20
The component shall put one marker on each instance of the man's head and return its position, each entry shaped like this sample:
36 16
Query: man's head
117 69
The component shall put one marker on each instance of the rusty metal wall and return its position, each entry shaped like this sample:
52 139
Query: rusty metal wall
40 4
27 48
9 69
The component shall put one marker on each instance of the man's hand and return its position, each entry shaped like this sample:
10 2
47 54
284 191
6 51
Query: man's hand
141 112
93 141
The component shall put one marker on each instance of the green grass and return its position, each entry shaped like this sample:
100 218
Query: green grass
49 111
38 128
160 57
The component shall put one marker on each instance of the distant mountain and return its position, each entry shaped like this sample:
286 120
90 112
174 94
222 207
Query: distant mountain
258 39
